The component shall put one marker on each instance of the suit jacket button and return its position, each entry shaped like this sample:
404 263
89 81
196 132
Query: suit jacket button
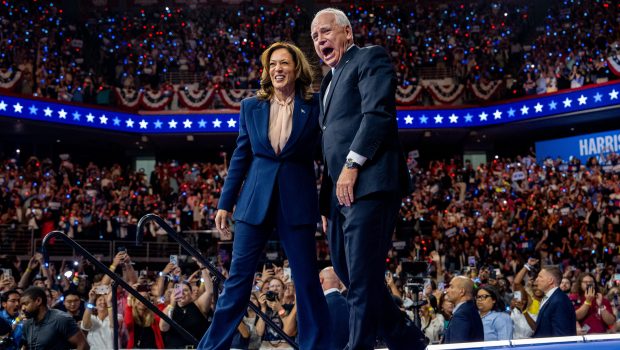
324 127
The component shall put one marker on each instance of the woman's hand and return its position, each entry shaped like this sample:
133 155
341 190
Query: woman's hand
168 268
108 297
262 301
92 296
221 223
275 305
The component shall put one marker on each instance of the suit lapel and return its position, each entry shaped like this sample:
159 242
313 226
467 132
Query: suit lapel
547 302
261 123
301 113
334 81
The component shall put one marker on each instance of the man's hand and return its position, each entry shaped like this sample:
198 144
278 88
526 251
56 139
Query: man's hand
532 261
221 224
346 185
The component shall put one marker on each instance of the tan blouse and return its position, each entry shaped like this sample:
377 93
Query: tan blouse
280 122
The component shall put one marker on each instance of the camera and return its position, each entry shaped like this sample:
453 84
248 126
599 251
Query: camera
271 296
415 277
415 274
102 289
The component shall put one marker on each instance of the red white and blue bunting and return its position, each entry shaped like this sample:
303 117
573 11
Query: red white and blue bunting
445 94
233 98
408 95
613 62
128 98
156 100
485 91
195 99
9 79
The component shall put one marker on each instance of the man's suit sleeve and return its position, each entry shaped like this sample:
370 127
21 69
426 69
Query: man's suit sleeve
377 87
239 164
459 332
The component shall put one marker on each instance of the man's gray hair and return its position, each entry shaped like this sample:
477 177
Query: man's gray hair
341 18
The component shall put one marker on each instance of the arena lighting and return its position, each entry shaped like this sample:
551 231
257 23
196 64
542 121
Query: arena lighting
584 99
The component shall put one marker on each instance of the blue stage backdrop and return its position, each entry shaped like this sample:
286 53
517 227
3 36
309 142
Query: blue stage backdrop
587 99
582 147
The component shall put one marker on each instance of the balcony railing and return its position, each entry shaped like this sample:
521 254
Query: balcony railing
23 243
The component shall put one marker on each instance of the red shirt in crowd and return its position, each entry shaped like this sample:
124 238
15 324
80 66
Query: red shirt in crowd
593 319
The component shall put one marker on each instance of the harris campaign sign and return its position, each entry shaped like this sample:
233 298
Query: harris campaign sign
582 147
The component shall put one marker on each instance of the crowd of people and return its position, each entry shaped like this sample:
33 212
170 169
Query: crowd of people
82 59
73 59
503 222
99 202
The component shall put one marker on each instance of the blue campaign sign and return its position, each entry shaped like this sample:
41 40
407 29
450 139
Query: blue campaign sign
582 147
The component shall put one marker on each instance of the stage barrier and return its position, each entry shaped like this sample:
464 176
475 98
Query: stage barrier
600 341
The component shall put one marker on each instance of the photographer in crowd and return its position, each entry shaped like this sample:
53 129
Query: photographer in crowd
284 315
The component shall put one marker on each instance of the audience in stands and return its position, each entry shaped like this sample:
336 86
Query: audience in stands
496 224
81 58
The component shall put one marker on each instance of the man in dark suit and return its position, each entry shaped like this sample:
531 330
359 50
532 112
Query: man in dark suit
364 178
465 325
338 308
556 317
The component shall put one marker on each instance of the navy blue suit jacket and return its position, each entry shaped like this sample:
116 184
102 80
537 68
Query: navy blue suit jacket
557 317
465 325
255 170
339 319
360 115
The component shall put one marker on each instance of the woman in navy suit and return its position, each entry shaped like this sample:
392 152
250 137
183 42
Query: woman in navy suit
271 180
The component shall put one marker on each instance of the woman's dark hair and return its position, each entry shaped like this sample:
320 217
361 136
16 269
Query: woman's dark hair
499 305
432 302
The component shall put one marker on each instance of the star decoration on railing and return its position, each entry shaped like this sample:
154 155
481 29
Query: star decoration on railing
540 106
